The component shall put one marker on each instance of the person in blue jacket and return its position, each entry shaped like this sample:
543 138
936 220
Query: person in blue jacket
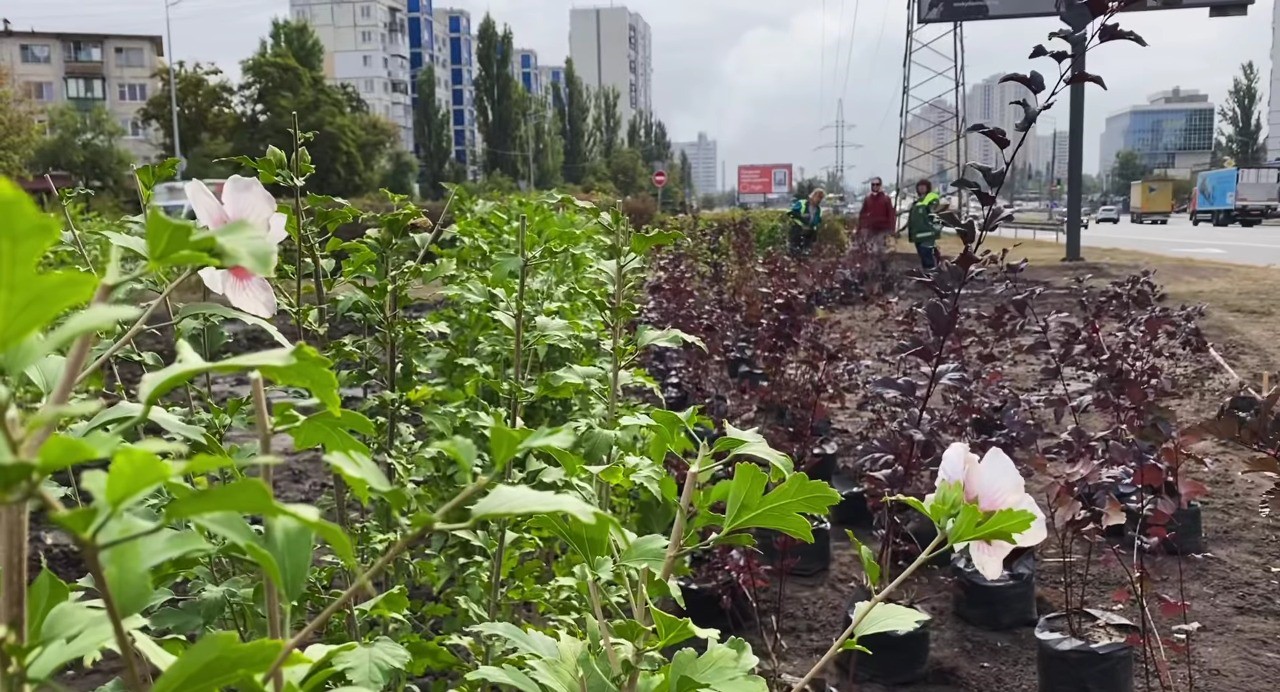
805 216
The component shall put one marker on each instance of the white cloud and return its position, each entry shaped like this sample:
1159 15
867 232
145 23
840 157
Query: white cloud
757 74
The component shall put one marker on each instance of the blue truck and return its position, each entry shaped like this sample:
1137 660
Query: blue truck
1235 195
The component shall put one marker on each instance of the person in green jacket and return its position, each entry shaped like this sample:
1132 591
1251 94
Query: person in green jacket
922 227
805 216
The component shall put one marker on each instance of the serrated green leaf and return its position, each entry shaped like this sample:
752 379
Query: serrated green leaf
371 664
332 431
506 675
673 630
299 366
529 642
134 472
738 443
747 506
665 338
233 314
645 551
727 667
216 660
1001 525
360 471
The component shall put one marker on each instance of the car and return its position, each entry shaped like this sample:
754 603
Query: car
1107 213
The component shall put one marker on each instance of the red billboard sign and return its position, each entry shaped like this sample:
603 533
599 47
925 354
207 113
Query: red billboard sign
764 179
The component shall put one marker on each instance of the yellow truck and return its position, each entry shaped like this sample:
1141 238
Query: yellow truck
1150 200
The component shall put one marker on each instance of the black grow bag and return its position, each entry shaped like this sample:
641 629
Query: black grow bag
1067 664
1005 603
715 607
896 658
801 559
1186 531
852 510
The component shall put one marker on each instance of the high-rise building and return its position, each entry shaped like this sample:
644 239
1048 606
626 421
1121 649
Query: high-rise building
930 146
1051 155
988 102
703 164
611 47
459 53
367 46
551 75
426 44
1172 133
524 65
1273 95
115 71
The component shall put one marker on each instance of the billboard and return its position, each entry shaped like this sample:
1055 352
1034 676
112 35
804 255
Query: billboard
975 10
764 179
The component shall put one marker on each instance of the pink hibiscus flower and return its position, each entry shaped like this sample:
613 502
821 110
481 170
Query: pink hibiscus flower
243 199
994 484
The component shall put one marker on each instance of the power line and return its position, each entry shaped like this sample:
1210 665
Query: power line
848 63
835 71
822 70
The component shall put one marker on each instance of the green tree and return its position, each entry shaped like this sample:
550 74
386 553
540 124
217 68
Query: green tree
1127 168
648 135
207 119
19 131
399 172
284 77
86 144
431 136
629 173
542 133
606 122
497 100
1240 120
575 118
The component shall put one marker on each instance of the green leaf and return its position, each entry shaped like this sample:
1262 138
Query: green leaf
751 443
531 642
748 506
290 543
1001 525
561 438
241 245
71 631
61 451
913 503
44 594
589 540
94 318
134 472
726 667
673 630
371 664
152 173
503 444
641 243
299 366
45 372
519 500
333 431
946 502
234 528
870 567
506 675
126 410
462 451
645 551
244 496
231 313
176 242
665 338
886 617
30 299
360 472
215 661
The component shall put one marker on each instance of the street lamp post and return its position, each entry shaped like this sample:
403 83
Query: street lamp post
173 88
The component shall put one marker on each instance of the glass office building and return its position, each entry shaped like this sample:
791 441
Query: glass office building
1172 133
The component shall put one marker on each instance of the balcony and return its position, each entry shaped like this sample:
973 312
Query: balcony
83 68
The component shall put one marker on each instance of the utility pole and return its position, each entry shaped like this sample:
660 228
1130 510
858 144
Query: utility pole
1053 173
1075 150
173 88
840 144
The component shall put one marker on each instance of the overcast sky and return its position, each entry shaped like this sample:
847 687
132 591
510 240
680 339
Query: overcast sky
762 76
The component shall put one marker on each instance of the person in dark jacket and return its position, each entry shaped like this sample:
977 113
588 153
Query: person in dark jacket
877 219
922 227
805 216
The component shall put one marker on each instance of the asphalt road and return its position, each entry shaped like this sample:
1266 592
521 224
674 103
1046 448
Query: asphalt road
1259 245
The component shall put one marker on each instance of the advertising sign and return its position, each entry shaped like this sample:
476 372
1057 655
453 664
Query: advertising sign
976 10
764 179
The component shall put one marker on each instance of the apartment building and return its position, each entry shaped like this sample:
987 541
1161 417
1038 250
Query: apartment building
458 49
988 102
114 71
426 41
551 76
367 46
612 47
703 163
524 65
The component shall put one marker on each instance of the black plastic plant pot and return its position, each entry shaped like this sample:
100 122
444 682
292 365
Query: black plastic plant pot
1186 531
852 510
1003 604
705 605
800 559
1102 664
921 531
896 658
822 461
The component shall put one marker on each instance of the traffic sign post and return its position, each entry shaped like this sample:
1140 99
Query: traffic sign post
660 181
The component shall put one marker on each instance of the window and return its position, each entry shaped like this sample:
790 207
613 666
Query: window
130 57
386 87
131 92
455 51
82 51
38 91
385 61
366 11
37 53
368 86
133 128
86 88
368 60
455 24
366 37
457 97
458 118
456 75
526 61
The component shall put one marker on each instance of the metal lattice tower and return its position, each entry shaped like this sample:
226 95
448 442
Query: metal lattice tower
841 143
931 141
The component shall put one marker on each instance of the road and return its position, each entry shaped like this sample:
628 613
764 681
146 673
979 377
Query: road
1259 245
